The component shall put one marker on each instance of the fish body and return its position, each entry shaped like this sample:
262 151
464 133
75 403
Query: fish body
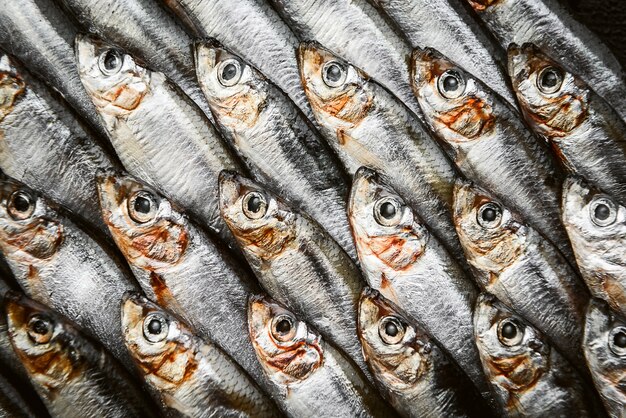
160 135
274 139
12 404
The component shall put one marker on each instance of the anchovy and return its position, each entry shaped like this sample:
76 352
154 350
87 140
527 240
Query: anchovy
549 25
46 147
367 126
160 135
605 352
296 262
596 224
586 134
74 376
416 376
405 262
193 378
529 377
307 373
274 139
515 263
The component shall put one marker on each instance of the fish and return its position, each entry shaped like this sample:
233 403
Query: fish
296 261
13 404
274 139
308 373
252 30
414 374
552 28
59 264
74 376
605 352
160 135
530 378
402 259
587 136
366 126
515 263
596 224
448 28
193 377
45 146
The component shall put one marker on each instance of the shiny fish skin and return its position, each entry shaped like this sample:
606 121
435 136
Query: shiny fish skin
253 31
275 140
588 136
45 146
529 377
604 352
194 378
402 260
308 373
160 135
489 143
367 126
74 376
296 262
59 264
520 267
416 376
598 243
445 26
554 30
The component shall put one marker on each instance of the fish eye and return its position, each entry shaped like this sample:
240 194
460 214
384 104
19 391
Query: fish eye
550 80
451 84
387 212
510 332
229 72
334 74
110 61
283 328
40 329
391 330
21 205
155 327
603 211
142 207
489 215
617 341
254 205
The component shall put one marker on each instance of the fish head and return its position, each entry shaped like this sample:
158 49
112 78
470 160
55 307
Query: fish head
113 79
30 227
262 224
513 353
455 104
492 236
12 85
554 100
236 92
338 91
397 352
287 348
145 225
385 228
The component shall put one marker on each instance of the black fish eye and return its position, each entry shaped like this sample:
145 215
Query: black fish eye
390 330
283 328
21 202
155 327
603 211
110 61
40 329
451 84
619 339
387 210
21 205
333 74
489 215
254 205
229 72
510 332
550 80
142 206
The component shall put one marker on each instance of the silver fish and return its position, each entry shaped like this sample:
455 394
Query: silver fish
587 135
605 351
193 377
74 376
274 139
596 224
367 126
160 135
528 376
46 147
407 265
307 373
448 28
12 403
413 373
549 25
520 267
295 260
